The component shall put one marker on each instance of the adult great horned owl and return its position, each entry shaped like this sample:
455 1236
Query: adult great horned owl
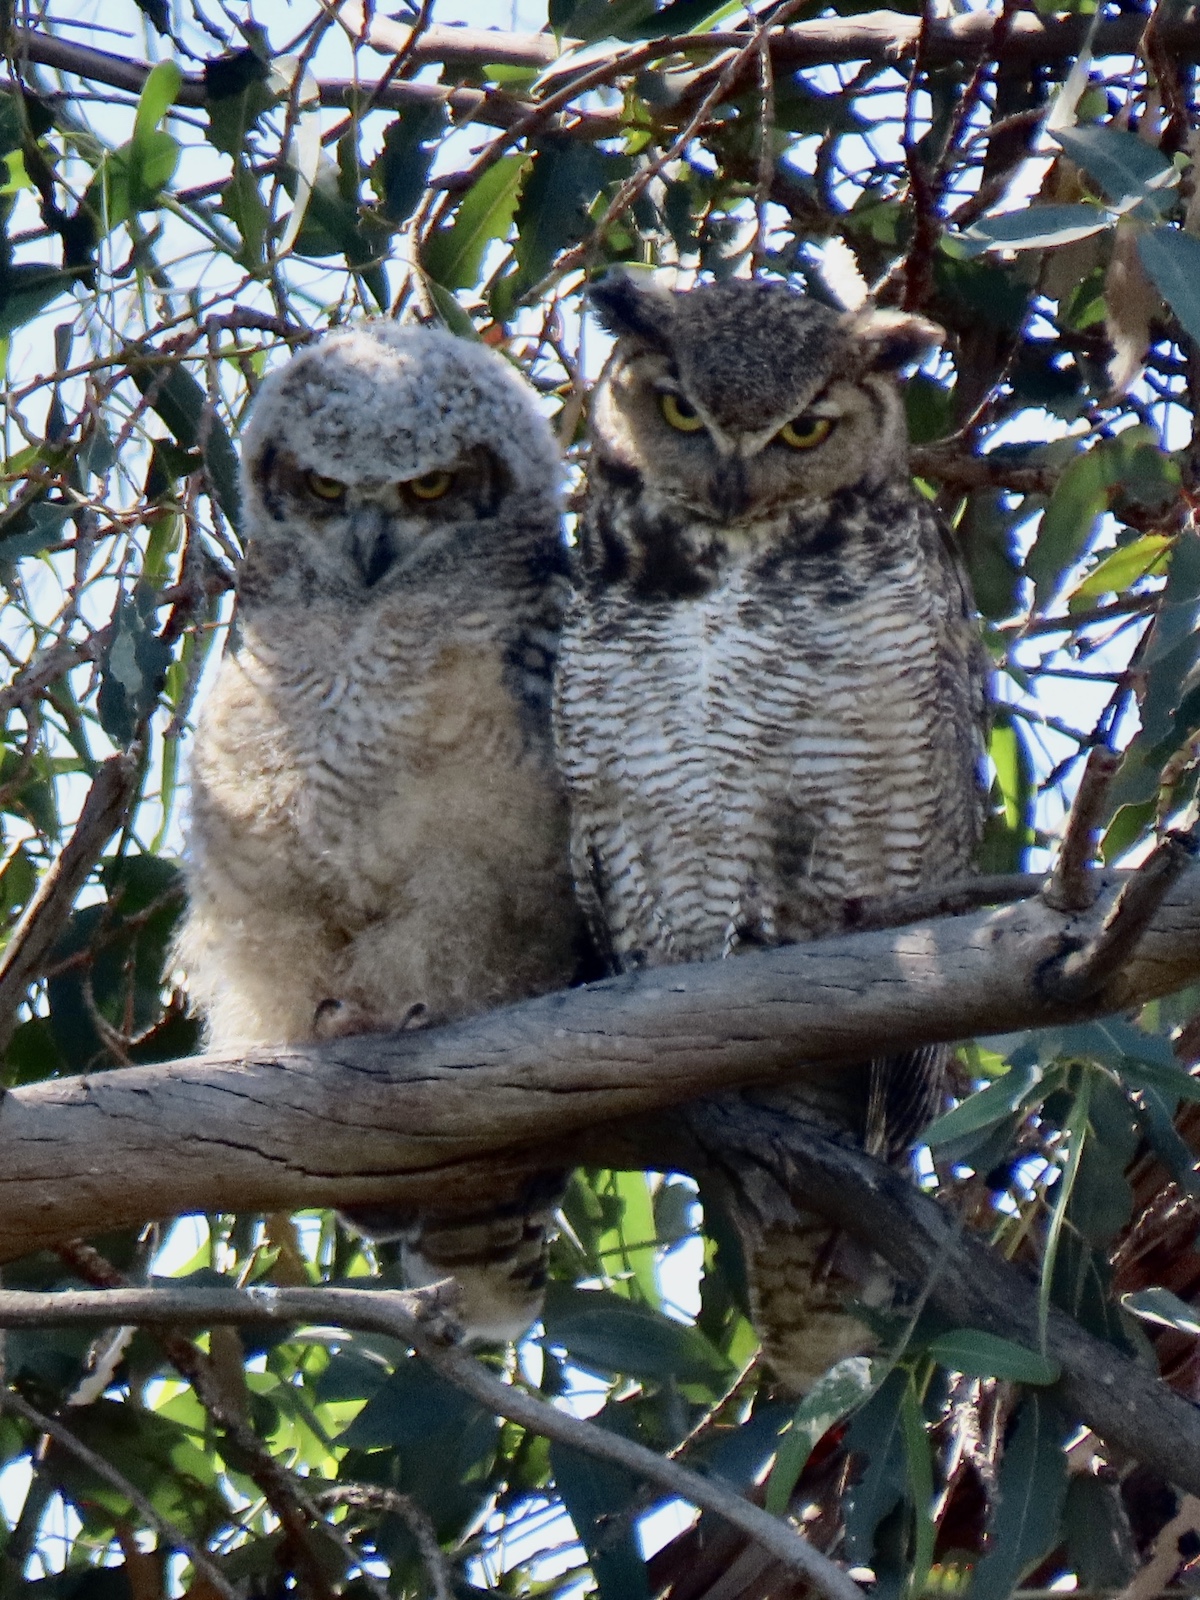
378 829
771 698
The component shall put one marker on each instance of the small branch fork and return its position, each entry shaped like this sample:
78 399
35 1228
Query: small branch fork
1072 888
103 813
422 1319
1085 971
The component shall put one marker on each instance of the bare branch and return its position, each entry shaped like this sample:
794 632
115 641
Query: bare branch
1090 966
447 1113
44 917
964 471
958 1275
1072 888
418 1318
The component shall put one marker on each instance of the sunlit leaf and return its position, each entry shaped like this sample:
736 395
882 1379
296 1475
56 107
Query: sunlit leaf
830 1399
1035 228
1163 1307
453 255
1126 167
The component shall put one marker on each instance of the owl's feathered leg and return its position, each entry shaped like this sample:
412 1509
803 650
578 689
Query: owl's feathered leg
803 1276
497 1255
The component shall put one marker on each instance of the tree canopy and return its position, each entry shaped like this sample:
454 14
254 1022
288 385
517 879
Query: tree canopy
191 191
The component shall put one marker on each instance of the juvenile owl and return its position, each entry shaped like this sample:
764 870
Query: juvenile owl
771 695
378 832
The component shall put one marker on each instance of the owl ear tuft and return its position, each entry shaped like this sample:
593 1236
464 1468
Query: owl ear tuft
891 339
633 303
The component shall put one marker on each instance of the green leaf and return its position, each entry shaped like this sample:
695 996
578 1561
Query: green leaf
236 93
629 1248
451 313
1069 522
180 402
1019 1088
1120 569
1009 832
132 673
1163 1307
453 255
12 124
1035 228
27 289
920 1485
1032 1485
599 1329
1099 1542
243 205
1125 167
877 1432
1156 1119
1172 259
986 1355
37 527
599 1498
840 1391
567 176
159 93
400 171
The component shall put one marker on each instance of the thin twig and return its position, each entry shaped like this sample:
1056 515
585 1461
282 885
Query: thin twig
46 914
1071 887
11 1401
375 1497
419 1318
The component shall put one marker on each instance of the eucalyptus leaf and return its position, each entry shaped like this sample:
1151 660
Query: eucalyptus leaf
1172 259
1035 228
1031 1489
452 256
1164 1308
1125 167
985 1355
832 1397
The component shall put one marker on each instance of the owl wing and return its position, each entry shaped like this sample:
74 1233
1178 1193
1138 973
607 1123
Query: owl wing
906 1090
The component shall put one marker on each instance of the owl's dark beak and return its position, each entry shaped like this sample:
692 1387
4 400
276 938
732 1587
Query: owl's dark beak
728 491
371 545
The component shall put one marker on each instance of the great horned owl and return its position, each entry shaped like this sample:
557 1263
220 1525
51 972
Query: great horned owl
771 699
377 827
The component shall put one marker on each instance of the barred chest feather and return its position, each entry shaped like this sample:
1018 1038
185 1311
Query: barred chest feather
366 750
744 760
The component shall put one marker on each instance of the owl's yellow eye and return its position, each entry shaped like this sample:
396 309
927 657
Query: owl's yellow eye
325 488
680 414
805 433
431 485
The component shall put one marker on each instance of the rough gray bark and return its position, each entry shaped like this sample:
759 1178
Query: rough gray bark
444 1114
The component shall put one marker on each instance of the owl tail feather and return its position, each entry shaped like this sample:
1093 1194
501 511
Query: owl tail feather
496 1255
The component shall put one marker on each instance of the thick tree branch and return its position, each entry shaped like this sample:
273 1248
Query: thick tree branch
972 1286
418 1318
445 1114
883 36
